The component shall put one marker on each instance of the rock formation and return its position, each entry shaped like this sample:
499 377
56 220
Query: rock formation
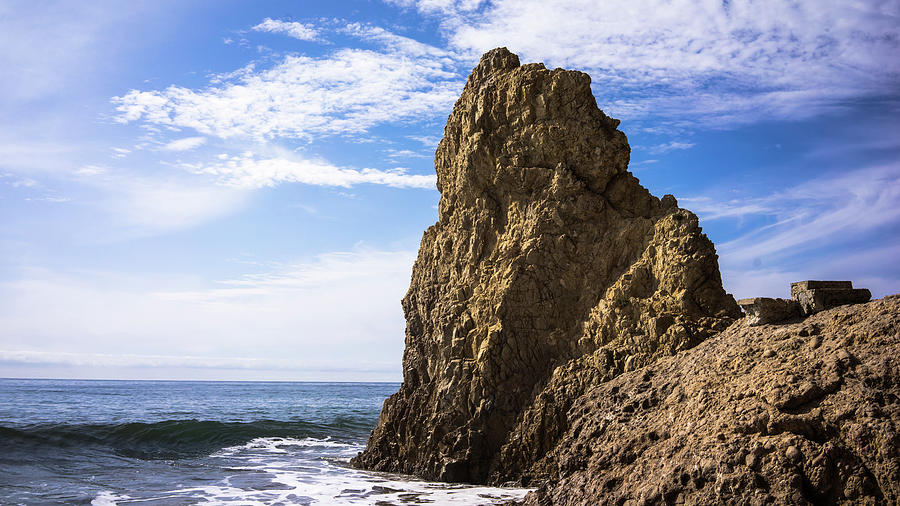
799 413
762 310
815 296
550 270
807 298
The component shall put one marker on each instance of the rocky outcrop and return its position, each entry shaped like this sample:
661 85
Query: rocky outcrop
762 310
799 413
550 271
814 296
807 297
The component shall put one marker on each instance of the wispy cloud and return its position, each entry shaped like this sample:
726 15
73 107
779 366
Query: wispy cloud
428 141
124 204
50 51
290 28
847 213
833 208
19 182
323 312
301 97
150 206
248 170
185 144
719 63
865 268
669 146
714 208
396 43
395 154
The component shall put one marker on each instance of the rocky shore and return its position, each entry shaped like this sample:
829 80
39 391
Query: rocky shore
799 413
560 324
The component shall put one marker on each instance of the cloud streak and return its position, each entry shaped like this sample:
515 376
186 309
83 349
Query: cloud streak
185 144
832 209
316 314
302 97
290 28
250 171
846 213
721 62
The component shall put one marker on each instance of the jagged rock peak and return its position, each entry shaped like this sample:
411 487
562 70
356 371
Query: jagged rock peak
495 60
551 269
526 116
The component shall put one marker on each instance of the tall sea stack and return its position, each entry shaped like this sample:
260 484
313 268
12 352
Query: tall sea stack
550 270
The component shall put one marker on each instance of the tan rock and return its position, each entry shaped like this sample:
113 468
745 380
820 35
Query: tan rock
802 286
550 270
824 430
763 310
813 301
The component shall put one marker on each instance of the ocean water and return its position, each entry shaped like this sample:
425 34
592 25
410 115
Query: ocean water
178 443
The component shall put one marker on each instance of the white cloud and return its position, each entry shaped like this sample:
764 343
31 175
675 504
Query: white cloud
25 156
717 62
445 7
396 43
248 170
25 182
118 204
333 312
290 28
713 208
831 209
864 268
430 142
394 154
846 214
346 92
669 146
159 205
185 144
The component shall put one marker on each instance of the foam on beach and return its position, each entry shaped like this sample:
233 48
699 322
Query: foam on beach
310 471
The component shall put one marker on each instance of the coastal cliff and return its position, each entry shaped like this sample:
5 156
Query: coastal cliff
550 271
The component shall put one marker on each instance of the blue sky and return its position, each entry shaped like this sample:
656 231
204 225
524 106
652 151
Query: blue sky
236 190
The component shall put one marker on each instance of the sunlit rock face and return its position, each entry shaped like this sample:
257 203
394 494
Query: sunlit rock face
550 270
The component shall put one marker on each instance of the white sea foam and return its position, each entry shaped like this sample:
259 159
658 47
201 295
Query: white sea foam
313 471
107 498
285 445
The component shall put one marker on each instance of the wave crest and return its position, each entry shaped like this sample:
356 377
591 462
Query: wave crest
172 439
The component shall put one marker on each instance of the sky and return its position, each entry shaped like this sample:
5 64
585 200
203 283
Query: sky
236 190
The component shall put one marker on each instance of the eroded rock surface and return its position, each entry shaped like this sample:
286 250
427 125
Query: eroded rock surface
550 270
801 413
762 310
814 296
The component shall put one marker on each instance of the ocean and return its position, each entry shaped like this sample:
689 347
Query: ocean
192 442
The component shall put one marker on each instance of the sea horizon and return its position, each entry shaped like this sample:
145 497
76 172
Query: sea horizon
200 380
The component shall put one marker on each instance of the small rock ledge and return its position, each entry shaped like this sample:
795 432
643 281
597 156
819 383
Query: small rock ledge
807 298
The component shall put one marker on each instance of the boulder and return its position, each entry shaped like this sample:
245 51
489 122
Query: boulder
763 310
816 296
